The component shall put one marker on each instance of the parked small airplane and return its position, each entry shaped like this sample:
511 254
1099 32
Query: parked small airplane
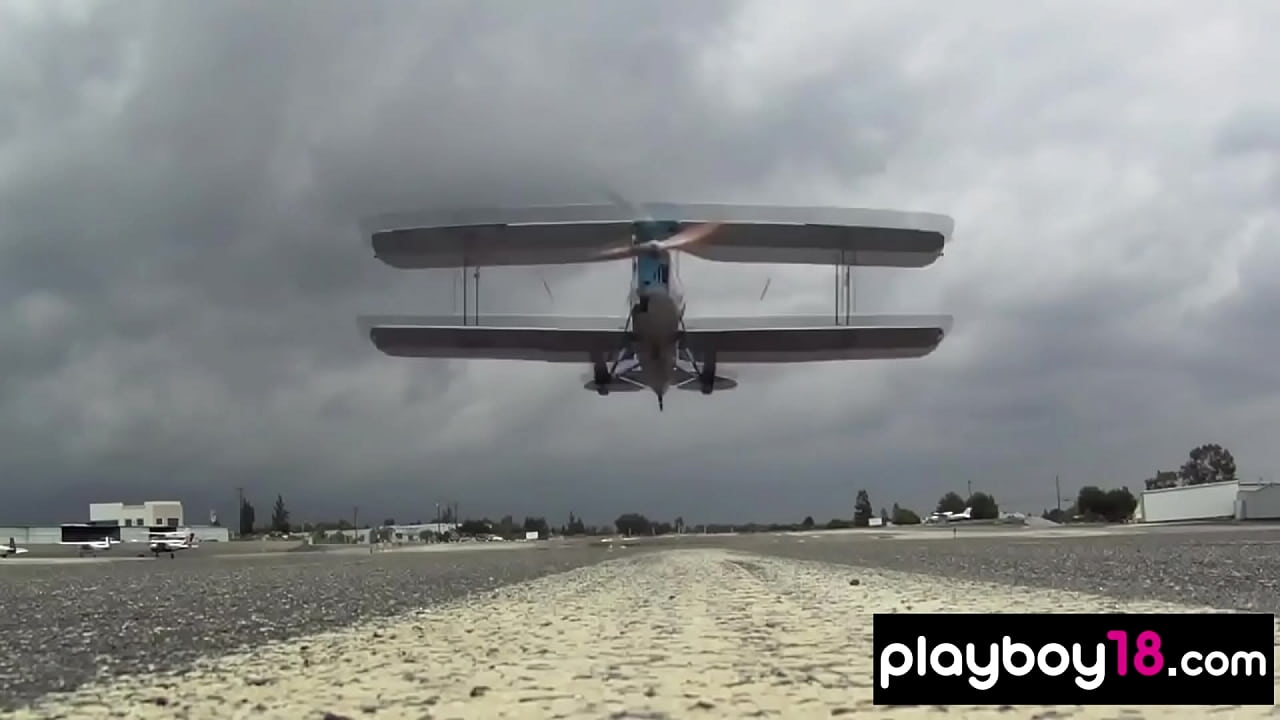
12 549
655 346
93 547
171 543
948 516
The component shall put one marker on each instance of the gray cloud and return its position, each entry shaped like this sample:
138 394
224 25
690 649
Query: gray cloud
180 186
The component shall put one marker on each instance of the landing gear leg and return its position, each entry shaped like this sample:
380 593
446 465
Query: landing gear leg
707 376
602 378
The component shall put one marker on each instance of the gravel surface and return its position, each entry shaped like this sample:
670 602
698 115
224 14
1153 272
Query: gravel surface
1229 569
70 625
62 624
687 633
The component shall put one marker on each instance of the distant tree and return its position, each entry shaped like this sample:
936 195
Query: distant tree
884 516
903 516
574 526
388 522
280 516
862 510
246 518
475 527
838 524
951 502
679 524
1163 479
1114 505
537 525
446 515
1054 515
661 528
983 506
506 527
808 522
632 524
1208 463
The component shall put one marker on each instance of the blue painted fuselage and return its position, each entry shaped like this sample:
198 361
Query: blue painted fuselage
657 306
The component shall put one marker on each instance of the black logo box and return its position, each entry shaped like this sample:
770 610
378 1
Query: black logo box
1228 633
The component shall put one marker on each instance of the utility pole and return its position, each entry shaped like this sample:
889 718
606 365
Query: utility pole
355 527
969 484
1057 492
239 510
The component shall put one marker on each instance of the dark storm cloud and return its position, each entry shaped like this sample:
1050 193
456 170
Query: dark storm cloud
180 186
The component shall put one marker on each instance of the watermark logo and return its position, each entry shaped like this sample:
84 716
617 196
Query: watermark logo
1102 659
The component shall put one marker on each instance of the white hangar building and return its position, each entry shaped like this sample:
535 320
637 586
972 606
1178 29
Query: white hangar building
1211 501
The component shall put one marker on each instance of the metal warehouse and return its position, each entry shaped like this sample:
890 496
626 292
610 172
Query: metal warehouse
1210 501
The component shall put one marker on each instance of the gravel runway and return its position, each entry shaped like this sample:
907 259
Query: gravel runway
1230 568
63 624
696 626
683 633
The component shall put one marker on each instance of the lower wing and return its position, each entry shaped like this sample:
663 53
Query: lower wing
800 339
536 338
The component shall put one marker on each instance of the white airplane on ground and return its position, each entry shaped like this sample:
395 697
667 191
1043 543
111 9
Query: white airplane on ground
948 516
655 346
93 547
171 543
12 549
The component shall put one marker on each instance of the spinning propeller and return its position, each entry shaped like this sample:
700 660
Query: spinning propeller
686 238
681 240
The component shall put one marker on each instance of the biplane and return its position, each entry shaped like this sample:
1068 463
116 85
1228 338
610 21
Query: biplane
654 345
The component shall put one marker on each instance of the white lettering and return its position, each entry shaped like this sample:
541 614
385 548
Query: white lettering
1029 658
984 676
1096 672
1187 669
1051 650
1247 658
1217 658
955 668
887 668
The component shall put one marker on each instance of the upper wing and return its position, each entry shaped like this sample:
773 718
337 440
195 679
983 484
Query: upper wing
559 339
814 339
820 235
577 233
492 237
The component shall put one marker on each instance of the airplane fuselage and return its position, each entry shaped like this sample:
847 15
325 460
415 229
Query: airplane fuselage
657 308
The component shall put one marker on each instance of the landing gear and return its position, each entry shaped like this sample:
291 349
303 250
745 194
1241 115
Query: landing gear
602 378
707 375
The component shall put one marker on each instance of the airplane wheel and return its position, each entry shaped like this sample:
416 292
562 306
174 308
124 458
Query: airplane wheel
708 384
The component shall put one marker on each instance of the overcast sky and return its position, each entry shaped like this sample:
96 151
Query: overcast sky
181 270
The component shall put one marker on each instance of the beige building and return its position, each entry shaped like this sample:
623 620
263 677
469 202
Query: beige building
152 513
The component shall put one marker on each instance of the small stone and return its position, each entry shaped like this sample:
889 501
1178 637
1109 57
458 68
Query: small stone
479 690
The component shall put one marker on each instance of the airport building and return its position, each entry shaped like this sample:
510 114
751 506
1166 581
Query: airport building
152 513
399 533
121 522
1211 501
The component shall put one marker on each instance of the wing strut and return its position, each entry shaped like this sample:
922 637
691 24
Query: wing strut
475 311
844 287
